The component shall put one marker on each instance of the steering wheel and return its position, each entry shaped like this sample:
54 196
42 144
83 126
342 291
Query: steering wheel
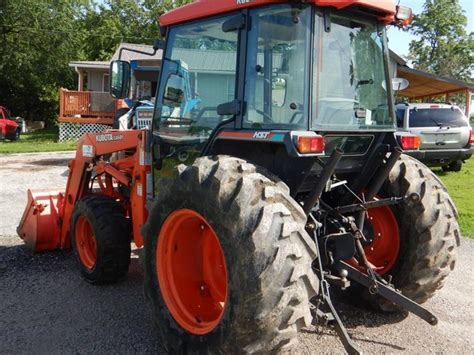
266 118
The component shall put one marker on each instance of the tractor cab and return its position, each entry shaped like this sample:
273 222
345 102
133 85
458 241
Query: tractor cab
276 83
264 73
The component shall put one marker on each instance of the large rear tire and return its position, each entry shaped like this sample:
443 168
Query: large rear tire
261 250
428 233
100 237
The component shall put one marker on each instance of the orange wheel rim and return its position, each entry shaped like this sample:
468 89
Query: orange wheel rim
192 272
86 245
384 240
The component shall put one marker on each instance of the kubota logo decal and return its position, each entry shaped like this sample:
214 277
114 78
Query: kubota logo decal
108 138
261 135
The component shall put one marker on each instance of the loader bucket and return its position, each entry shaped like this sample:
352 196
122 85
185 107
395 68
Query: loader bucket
39 226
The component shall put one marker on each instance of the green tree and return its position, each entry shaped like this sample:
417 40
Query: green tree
38 38
114 21
443 48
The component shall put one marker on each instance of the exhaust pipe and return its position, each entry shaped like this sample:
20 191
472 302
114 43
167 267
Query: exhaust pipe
383 174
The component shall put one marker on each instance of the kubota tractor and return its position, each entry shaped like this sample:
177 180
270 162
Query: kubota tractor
285 179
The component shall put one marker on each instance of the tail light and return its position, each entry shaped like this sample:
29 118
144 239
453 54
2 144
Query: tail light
311 144
410 142
471 137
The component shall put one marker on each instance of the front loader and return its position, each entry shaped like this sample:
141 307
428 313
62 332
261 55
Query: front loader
285 180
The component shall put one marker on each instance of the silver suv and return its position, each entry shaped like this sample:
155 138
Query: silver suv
446 138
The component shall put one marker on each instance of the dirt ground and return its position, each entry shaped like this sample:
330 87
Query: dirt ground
47 308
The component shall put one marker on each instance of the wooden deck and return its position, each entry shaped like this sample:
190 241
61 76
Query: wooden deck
86 107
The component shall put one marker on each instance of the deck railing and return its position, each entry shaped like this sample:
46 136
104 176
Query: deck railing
86 107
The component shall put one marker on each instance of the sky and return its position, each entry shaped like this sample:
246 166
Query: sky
399 40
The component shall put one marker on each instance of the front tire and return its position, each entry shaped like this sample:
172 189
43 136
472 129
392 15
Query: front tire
266 252
100 237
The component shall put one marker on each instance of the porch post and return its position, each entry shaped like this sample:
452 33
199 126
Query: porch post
80 84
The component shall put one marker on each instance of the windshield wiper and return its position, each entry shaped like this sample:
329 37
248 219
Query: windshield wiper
440 125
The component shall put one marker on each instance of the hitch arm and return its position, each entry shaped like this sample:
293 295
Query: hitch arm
388 292
363 206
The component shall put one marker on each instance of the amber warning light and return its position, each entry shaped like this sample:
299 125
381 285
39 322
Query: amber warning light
311 144
404 15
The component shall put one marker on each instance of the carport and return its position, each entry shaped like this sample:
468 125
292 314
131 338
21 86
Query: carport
424 86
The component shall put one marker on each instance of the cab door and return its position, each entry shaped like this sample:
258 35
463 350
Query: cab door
198 75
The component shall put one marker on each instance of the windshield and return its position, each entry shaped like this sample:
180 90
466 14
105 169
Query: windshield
439 117
349 88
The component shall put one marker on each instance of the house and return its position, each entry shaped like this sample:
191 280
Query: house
91 108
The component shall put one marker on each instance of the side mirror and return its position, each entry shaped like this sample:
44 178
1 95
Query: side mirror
119 79
158 44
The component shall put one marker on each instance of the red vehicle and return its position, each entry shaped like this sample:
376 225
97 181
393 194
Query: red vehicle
9 129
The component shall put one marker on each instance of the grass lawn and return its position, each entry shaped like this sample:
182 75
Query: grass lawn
461 186
45 140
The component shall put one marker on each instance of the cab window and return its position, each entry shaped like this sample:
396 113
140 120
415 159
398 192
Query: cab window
198 75
276 83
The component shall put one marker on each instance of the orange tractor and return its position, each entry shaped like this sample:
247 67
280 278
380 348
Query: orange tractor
284 179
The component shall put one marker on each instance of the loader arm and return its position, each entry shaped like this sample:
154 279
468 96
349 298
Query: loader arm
54 210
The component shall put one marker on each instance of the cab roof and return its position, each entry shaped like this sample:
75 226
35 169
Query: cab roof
384 9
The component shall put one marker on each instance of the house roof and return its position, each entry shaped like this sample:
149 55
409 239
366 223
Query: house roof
209 61
89 65
423 84
126 55
396 58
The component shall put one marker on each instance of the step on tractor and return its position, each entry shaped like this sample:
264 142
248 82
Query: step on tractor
284 182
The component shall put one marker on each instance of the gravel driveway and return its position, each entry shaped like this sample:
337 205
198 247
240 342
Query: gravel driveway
45 306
